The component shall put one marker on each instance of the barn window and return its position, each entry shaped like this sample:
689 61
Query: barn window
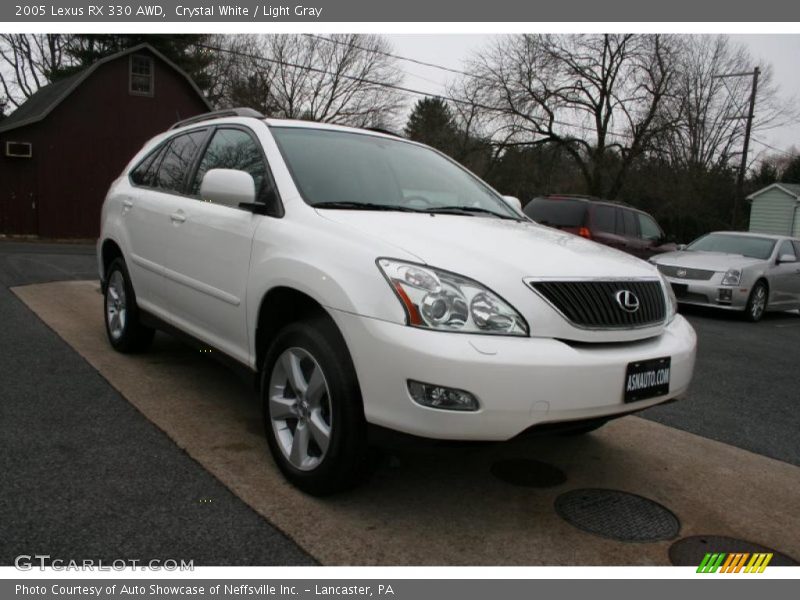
141 76
19 149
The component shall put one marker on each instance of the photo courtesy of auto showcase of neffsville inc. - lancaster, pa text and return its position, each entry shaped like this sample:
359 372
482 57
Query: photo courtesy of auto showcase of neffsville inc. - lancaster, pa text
431 300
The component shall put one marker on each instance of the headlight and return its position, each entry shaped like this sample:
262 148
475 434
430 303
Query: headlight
672 301
436 299
732 277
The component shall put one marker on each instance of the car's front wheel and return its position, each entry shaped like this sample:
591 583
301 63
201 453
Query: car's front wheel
757 302
124 328
313 413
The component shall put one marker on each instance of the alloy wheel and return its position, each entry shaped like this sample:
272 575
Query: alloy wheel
300 408
116 305
759 302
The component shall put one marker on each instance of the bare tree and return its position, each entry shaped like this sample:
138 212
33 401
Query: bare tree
343 79
711 108
599 97
28 62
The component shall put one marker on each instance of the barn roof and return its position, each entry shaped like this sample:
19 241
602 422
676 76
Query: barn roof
40 104
792 189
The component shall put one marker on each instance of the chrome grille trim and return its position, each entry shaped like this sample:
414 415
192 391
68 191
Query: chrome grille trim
591 304
687 273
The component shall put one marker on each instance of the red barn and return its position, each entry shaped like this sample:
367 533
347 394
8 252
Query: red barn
62 148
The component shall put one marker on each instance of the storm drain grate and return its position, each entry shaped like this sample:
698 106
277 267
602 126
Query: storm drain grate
690 551
617 515
528 473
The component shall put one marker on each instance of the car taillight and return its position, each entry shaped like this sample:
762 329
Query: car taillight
584 232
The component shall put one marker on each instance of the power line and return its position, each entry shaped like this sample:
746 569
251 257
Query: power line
391 55
392 86
766 145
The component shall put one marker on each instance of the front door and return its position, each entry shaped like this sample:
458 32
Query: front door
209 263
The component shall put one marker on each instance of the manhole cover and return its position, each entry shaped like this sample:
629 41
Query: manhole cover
528 473
617 515
690 551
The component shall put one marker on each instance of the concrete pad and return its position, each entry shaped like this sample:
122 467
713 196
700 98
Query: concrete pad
437 506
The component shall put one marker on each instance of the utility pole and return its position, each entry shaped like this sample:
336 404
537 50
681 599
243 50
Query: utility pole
746 145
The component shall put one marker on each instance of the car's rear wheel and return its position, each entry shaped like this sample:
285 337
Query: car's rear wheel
313 412
123 326
757 302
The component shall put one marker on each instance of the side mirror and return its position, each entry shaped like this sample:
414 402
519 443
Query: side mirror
786 258
228 187
681 247
513 202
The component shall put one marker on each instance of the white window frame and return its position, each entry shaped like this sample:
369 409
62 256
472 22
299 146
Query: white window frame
151 62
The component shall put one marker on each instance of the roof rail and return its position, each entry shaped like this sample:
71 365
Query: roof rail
384 131
218 114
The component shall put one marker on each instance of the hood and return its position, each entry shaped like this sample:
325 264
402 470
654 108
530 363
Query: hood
485 248
709 261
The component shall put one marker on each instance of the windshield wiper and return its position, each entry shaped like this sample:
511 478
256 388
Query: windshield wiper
367 206
468 210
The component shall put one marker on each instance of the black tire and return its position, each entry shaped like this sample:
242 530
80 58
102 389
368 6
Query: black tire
345 462
128 335
757 302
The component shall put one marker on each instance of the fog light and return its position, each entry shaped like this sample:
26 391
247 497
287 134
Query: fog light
444 398
725 295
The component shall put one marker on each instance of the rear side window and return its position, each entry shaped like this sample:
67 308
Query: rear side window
605 218
629 223
177 161
648 227
557 213
236 149
796 249
145 172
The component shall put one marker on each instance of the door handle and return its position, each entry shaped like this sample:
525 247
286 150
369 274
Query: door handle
177 217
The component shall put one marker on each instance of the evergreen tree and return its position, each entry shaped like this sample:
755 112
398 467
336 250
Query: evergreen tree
791 174
431 122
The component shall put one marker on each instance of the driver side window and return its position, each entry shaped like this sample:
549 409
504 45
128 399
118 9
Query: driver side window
785 249
236 149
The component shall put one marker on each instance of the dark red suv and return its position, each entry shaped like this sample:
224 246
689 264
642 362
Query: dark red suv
611 223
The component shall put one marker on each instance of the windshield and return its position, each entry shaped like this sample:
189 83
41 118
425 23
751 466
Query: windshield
557 213
752 247
341 169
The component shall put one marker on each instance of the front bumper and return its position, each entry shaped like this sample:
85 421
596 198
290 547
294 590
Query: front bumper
519 382
710 293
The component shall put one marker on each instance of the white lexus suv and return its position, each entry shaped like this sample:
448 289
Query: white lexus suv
369 280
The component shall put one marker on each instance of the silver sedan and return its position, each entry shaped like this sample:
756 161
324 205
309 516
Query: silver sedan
749 272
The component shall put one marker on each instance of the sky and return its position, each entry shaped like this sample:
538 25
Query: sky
782 51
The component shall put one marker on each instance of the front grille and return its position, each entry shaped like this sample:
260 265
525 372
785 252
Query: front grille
685 273
593 304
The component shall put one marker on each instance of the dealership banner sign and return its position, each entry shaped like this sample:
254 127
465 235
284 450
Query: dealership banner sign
443 11
373 589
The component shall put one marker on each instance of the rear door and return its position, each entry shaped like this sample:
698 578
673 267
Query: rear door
208 267
650 235
604 226
148 213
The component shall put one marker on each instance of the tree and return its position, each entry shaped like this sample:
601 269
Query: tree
710 109
431 122
343 79
187 51
791 174
598 97
28 62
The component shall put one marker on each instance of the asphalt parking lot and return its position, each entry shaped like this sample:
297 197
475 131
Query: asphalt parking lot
95 474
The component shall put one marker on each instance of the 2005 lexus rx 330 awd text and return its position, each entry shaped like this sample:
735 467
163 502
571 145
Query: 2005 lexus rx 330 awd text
370 280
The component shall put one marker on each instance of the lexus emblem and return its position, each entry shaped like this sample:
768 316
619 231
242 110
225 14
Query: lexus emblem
627 301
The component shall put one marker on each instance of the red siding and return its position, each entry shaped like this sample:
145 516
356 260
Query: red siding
82 146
